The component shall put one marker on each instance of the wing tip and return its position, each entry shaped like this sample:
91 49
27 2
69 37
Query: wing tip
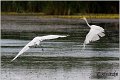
64 35
12 60
67 35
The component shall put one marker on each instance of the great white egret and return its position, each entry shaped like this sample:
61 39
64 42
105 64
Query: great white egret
36 42
94 34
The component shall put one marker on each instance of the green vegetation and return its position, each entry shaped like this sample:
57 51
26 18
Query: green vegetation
61 7
95 16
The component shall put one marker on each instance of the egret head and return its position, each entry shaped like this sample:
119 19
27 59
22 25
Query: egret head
84 18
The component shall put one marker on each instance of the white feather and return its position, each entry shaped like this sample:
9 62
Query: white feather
94 34
101 34
36 41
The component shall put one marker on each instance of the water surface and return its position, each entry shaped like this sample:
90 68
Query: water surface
62 58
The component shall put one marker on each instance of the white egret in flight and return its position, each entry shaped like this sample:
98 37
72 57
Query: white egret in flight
94 34
36 42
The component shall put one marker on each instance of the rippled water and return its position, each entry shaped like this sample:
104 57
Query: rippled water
62 58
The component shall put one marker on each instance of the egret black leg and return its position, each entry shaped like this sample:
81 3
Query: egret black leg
42 48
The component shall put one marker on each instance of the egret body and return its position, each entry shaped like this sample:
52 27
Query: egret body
94 34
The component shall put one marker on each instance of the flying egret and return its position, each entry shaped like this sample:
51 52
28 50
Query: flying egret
94 34
36 42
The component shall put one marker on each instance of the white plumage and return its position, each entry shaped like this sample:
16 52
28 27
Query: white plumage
94 34
36 41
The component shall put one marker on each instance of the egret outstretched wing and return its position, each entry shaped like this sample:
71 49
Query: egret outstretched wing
31 43
36 41
50 37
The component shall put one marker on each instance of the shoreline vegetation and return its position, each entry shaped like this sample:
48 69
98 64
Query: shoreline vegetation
77 16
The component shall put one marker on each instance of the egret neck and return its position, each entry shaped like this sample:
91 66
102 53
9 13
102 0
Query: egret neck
87 22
